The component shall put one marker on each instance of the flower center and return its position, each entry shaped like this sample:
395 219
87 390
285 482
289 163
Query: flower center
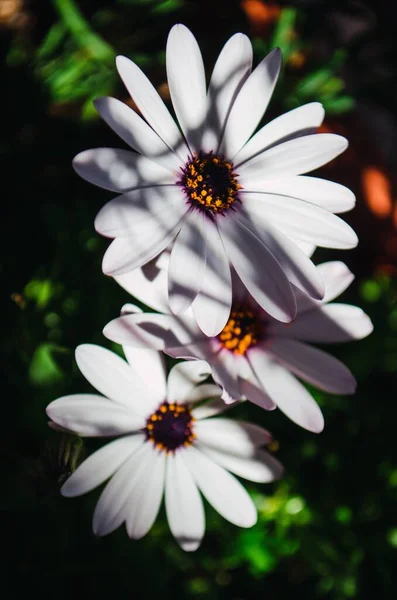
170 427
243 330
210 183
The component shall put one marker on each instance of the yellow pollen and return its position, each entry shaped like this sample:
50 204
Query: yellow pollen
210 183
242 331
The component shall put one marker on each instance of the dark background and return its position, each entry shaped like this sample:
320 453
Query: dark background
329 528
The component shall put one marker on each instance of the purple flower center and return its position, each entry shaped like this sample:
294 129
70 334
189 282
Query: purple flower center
210 184
170 427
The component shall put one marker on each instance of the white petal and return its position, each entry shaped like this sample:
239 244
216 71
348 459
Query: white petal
307 248
127 253
212 305
149 365
230 72
296 265
330 324
301 220
222 490
300 121
151 105
211 408
250 104
136 133
287 392
236 437
130 309
183 504
148 213
113 377
313 365
144 501
93 416
204 392
262 467
336 276
258 270
187 262
147 284
294 157
151 330
110 510
225 374
184 377
252 389
119 170
186 80
326 194
101 465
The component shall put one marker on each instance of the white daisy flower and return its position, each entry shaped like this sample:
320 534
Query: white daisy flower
226 195
166 442
254 356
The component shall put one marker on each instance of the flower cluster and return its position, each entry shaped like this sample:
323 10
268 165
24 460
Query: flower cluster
213 228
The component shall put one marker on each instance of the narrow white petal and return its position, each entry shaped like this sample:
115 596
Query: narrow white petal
222 490
332 323
336 276
301 220
186 80
259 271
110 510
101 465
149 365
120 170
204 392
313 365
211 408
148 284
187 262
226 435
262 467
183 504
226 374
144 501
296 265
136 133
323 193
250 104
212 305
93 416
287 392
294 157
184 377
300 121
113 377
151 330
148 213
127 253
307 248
151 105
252 389
231 69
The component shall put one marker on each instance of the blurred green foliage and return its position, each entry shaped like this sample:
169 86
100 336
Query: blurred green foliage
328 529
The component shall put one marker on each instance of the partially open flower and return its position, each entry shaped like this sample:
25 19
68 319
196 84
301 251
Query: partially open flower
254 356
